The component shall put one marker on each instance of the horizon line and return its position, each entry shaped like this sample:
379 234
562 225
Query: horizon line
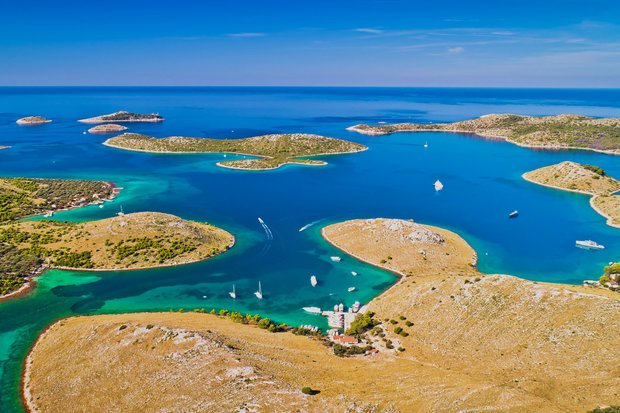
319 87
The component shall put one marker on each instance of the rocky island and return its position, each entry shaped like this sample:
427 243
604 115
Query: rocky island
448 338
107 128
123 116
584 179
270 151
126 242
545 132
33 120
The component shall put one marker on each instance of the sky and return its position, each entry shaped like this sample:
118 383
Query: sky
435 43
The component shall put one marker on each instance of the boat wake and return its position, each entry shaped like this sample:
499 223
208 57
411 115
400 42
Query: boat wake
268 232
305 227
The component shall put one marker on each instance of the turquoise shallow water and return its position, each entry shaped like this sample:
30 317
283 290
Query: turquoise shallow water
392 179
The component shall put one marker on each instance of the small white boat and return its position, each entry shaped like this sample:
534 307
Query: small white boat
351 289
259 293
589 244
49 214
336 259
426 144
312 310
381 123
120 213
513 214
355 307
353 273
313 281
233 293
261 221
100 205
438 185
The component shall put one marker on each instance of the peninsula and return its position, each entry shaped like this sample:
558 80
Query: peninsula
126 242
23 197
32 120
545 132
107 128
270 151
449 339
584 179
123 116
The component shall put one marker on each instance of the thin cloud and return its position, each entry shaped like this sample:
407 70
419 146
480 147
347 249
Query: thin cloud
368 30
246 34
456 50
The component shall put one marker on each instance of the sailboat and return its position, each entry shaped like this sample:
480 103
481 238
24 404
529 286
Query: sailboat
313 281
438 185
233 293
259 293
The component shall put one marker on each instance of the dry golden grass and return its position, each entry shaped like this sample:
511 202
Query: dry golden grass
574 177
478 343
609 207
102 239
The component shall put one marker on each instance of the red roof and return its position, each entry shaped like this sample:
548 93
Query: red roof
345 339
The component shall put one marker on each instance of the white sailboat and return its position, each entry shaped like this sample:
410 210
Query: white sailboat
259 293
313 281
233 293
438 185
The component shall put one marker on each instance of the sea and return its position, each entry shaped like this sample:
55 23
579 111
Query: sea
394 179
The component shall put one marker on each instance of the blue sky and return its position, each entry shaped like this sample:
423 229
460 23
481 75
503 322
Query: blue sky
297 42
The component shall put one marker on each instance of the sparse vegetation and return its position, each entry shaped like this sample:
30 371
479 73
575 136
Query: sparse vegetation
21 197
271 151
562 131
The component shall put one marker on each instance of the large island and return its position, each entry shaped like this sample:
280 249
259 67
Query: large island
448 338
546 132
585 179
126 242
268 151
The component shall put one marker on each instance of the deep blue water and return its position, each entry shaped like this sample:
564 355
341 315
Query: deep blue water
393 178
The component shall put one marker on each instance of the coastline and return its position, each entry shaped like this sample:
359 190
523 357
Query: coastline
220 163
25 289
98 119
593 196
400 276
491 137
31 284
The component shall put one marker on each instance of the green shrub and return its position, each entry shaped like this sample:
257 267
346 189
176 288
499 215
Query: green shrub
596 169
362 323
309 391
